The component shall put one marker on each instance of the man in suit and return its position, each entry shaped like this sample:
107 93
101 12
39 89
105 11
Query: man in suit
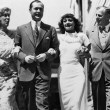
100 63
39 46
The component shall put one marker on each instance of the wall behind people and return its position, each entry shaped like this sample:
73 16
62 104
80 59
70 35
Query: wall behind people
20 15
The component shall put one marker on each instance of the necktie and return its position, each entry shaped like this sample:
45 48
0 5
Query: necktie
36 34
36 30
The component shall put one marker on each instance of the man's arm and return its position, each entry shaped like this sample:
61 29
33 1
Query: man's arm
21 56
54 46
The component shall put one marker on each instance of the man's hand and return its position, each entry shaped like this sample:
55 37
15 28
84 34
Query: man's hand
29 59
41 57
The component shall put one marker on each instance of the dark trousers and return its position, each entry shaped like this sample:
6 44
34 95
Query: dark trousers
99 94
25 95
33 95
42 92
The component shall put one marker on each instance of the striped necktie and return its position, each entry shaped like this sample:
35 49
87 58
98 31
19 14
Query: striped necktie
36 34
36 30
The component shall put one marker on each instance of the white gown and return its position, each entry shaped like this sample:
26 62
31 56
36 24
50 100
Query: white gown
71 72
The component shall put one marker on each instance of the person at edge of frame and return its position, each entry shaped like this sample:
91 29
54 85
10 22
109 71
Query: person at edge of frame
8 69
100 59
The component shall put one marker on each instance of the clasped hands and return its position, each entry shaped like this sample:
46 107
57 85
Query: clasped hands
40 58
83 51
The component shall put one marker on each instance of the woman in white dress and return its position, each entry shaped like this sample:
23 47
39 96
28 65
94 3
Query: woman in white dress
73 43
8 70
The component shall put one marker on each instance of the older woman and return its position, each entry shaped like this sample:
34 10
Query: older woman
73 43
8 71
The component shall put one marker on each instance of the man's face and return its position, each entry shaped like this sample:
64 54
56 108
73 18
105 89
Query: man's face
37 11
105 20
68 24
5 19
99 14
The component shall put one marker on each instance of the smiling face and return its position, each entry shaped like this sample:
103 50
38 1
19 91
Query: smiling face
105 19
68 24
5 19
37 11
99 14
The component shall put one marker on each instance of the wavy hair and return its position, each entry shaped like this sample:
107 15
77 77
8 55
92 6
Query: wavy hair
77 27
3 10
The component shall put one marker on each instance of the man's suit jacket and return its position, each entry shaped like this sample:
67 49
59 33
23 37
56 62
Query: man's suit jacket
100 56
47 39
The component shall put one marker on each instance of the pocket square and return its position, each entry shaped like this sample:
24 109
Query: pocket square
47 38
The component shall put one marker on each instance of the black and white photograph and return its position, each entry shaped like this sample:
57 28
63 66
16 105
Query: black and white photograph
54 54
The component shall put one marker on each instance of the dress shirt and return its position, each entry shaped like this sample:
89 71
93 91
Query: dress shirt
103 36
36 28
33 23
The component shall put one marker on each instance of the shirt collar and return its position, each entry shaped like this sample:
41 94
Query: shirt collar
71 34
33 23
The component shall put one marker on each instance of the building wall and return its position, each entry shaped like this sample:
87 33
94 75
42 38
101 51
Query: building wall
54 9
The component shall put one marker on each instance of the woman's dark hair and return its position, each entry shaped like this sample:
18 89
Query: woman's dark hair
3 10
77 27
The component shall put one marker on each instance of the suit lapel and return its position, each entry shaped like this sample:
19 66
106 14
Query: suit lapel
42 32
95 37
28 30
108 41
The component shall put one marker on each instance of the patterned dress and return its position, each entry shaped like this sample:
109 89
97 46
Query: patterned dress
71 72
8 73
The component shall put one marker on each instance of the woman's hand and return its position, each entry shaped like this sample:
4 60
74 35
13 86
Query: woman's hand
16 50
83 51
